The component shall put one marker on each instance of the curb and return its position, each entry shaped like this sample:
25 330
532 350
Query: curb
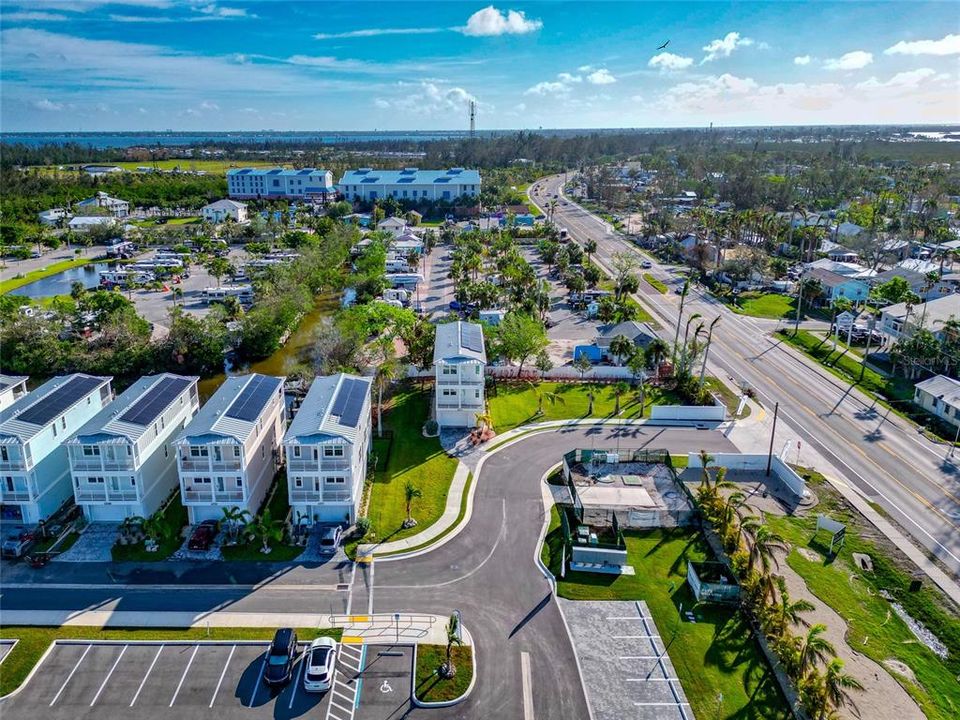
455 701
33 671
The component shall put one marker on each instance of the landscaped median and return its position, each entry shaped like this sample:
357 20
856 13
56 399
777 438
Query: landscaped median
32 642
659 286
431 688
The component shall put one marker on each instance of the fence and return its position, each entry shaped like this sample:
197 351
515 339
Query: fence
701 413
701 577
755 462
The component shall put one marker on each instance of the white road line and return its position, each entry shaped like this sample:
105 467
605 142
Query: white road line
337 692
184 676
107 678
370 588
222 674
660 704
353 573
527 686
263 667
149 670
296 683
65 682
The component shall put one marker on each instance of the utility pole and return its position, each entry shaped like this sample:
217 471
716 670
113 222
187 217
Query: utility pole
676 335
706 352
773 432
796 324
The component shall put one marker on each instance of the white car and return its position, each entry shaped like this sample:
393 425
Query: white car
321 660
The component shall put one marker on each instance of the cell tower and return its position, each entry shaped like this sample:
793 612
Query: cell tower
473 118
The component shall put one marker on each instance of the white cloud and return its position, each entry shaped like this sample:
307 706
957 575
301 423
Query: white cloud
723 47
376 32
947 45
667 61
33 17
854 60
908 80
802 60
428 98
490 21
47 105
568 78
224 12
548 88
207 105
601 77
585 68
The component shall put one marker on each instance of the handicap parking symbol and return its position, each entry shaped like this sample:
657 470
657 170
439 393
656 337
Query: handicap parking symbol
385 687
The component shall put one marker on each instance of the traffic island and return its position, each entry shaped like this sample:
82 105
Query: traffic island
431 688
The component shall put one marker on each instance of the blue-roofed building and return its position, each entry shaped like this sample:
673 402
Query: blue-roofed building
121 460
413 184
229 453
326 448
459 365
280 184
34 470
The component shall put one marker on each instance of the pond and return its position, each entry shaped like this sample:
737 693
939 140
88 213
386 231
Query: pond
60 283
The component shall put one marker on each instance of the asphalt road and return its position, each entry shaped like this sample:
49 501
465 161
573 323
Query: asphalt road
876 451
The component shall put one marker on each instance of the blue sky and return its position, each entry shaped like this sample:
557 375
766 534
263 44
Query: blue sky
198 65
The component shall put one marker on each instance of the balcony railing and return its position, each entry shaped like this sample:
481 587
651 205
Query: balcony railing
446 404
312 496
15 496
302 465
337 495
13 465
91 495
118 465
203 496
227 465
334 464
194 465
87 464
461 380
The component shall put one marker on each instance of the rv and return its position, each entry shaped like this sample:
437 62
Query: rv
243 293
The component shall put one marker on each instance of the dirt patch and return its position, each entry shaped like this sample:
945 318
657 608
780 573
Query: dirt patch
900 669
808 554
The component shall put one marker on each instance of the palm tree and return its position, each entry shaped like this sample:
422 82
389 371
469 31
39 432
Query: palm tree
582 365
542 394
621 347
786 612
234 518
266 529
762 546
590 247
410 493
453 638
484 420
656 351
837 685
387 372
814 648
676 335
619 388
590 400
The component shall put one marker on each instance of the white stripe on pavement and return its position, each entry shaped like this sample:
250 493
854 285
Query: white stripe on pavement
149 670
222 674
184 676
527 686
65 682
104 683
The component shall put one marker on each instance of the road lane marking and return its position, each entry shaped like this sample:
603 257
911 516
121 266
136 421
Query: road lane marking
149 670
107 678
263 667
65 682
527 686
296 681
184 676
222 674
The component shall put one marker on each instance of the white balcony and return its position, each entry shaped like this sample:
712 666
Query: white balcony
17 495
337 495
306 496
296 465
14 465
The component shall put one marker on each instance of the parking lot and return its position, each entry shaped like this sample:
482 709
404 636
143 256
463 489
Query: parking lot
5 647
626 669
201 679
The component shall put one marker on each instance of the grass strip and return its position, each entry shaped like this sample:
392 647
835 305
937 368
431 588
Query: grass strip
659 286
430 686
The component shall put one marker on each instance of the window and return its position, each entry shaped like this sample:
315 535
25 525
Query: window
196 451
236 451
90 450
333 451
449 370
63 423
296 451
449 393
4 455
476 394
298 482
261 452
9 484
239 483
335 481
54 429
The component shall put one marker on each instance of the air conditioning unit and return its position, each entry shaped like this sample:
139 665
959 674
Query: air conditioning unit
613 458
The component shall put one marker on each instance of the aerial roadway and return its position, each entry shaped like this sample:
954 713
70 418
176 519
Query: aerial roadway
874 450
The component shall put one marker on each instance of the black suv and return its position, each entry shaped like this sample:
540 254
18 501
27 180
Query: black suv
280 657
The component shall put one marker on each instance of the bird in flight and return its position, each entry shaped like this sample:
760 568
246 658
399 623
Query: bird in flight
664 45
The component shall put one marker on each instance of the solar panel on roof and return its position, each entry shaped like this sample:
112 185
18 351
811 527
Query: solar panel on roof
340 401
405 180
245 171
251 401
149 406
442 180
277 171
55 402
354 404
369 180
304 172
471 338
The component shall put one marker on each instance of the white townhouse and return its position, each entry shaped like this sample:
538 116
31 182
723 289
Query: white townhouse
229 453
412 184
277 184
121 460
117 207
12 388
940 396
459 364
326 449
34 470
221 210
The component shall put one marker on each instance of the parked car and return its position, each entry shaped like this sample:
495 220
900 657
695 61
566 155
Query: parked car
330 539
646 264
321 660
203 535
281 657
16 541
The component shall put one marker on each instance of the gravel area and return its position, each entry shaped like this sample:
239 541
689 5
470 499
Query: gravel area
93 545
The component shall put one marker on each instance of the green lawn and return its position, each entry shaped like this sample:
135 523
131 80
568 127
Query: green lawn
430 687
716 654
33 642
873 629
765 305
513 405
412 457
657 284
57 267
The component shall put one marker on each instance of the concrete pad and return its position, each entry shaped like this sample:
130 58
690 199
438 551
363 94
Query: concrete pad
387 683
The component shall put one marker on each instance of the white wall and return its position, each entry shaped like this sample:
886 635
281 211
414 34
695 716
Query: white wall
706 413
745 461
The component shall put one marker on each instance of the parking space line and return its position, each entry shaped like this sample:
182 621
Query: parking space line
149 670
222 674
66 682
263 667
527 686
296 683
184 676
107 678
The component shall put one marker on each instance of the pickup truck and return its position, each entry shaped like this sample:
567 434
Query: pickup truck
16 541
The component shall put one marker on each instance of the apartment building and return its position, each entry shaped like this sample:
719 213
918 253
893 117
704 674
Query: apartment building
121 461
459 363
277 184
34 470
12 388
412 184
229 453
326 449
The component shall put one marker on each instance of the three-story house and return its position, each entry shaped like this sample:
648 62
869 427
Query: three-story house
459 363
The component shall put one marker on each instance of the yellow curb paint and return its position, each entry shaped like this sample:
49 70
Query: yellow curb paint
359 618
352 640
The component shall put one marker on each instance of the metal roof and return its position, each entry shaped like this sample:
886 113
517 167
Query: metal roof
411 176
7 381
212 424
457 341
316 415
108 421
12 425
277 171
942 387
